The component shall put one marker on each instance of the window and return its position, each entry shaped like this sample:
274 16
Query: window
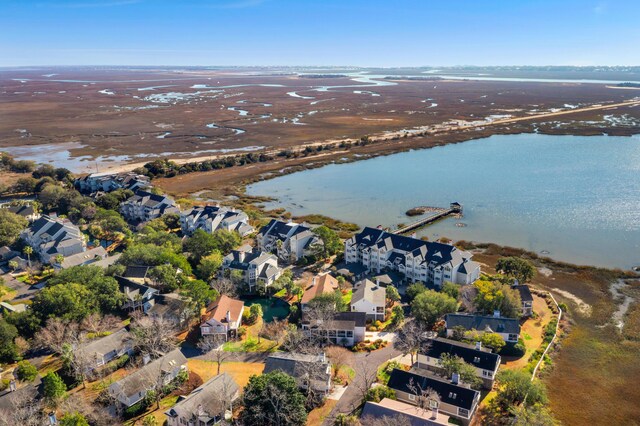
476 359
463 412
513 337
412 397
486 373
452 395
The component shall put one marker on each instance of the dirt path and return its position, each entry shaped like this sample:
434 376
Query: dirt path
618 315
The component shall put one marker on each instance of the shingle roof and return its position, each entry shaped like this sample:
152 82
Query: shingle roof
136 271
369 291
483 323
218 309
481 359
83 257
206 401
400 410
525 292
298 365
104 345
449 393
317 285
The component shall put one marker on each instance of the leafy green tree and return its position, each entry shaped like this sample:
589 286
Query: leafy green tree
70 301
536 415
172 220
516 385
495 296
108 224
104 290
200 244
392 294
430 305
331 243
26 372
454 364
273 399
152 255
11 225
378 393
198 292
8 349
397 317
73 419
451 289
517 268
415 289
493 341
54 388
209 266
166 277
26 322
51 197
28 250
255 312
225 241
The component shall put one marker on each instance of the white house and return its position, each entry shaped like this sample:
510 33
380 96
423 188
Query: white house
144 206
212 218
160 372
107 182
255 265
290 241
418 260
52 237
206 405
137 296
370 298
484 361
310 371
507 328
108 348
222 317
345 328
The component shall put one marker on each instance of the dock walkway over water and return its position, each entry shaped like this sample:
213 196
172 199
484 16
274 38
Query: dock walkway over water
454 208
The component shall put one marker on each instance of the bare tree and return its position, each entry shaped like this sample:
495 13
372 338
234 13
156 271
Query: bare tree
225 286
95 414
274 330
153 335
24 410
411 337
397 420
338 356
95 323
426 398
77 360
366 376
212 347
56 334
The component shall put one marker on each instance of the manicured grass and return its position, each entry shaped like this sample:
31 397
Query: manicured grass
317 416
250 344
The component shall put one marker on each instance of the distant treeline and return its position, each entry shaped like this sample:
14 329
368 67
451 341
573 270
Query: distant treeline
628 84
322 75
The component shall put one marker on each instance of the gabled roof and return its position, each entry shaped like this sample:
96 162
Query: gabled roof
22 210
218 309
298 365
484 360
133 288
168 306
83 257
206 401
103 345
359 318
317 285
136 271
449 393
246 256
400 410
282 230
525 292
369 291
483 323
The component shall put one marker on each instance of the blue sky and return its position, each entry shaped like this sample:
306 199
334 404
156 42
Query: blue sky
319 32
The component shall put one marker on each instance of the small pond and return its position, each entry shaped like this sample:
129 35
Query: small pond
272 307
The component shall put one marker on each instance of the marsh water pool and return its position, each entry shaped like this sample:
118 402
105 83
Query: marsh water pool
272 307
573 198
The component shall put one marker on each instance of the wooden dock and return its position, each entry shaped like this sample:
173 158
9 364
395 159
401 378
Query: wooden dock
454 208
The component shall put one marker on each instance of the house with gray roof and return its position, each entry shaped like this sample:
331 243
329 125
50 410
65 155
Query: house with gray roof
290 241
206 405
417 260
212 218
51 237
508 328
27 211
484 361
144 206
107 182
137 296
309 370
344 328
84 258
392 411
105 349
526 298
160 372
256 266
370 298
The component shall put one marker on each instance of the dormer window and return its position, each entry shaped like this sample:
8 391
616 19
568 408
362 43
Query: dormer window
453 395
476 359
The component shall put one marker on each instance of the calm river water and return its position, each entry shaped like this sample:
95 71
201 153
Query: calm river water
575 197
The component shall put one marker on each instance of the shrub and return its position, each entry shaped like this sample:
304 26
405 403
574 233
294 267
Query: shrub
242 331
136 409
26 372
378 393
4 384
517 349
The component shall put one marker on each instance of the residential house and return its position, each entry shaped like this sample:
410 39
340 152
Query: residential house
137 273
160 372
526 299
408 413
222 317
289 241
309 370
7 308
137 296
52 237
212 218
25 210
105 349
483 360
370 298
7 255
452 399
430 262
508 328
255 265
172 307
107 182
207 405
144 206
318 285
84 258
345 328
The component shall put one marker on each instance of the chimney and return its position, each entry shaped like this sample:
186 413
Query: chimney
496 313
313 283
53 421
241 255
455 378
146 358
200 410
478 346
228 317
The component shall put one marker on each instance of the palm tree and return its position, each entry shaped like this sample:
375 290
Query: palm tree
28 250
13 265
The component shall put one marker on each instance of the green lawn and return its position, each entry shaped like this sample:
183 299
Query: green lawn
346 298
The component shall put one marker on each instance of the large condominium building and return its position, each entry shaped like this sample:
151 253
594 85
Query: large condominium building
418 260
255 266
289 241
212 218
51 237
107 182
144 206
